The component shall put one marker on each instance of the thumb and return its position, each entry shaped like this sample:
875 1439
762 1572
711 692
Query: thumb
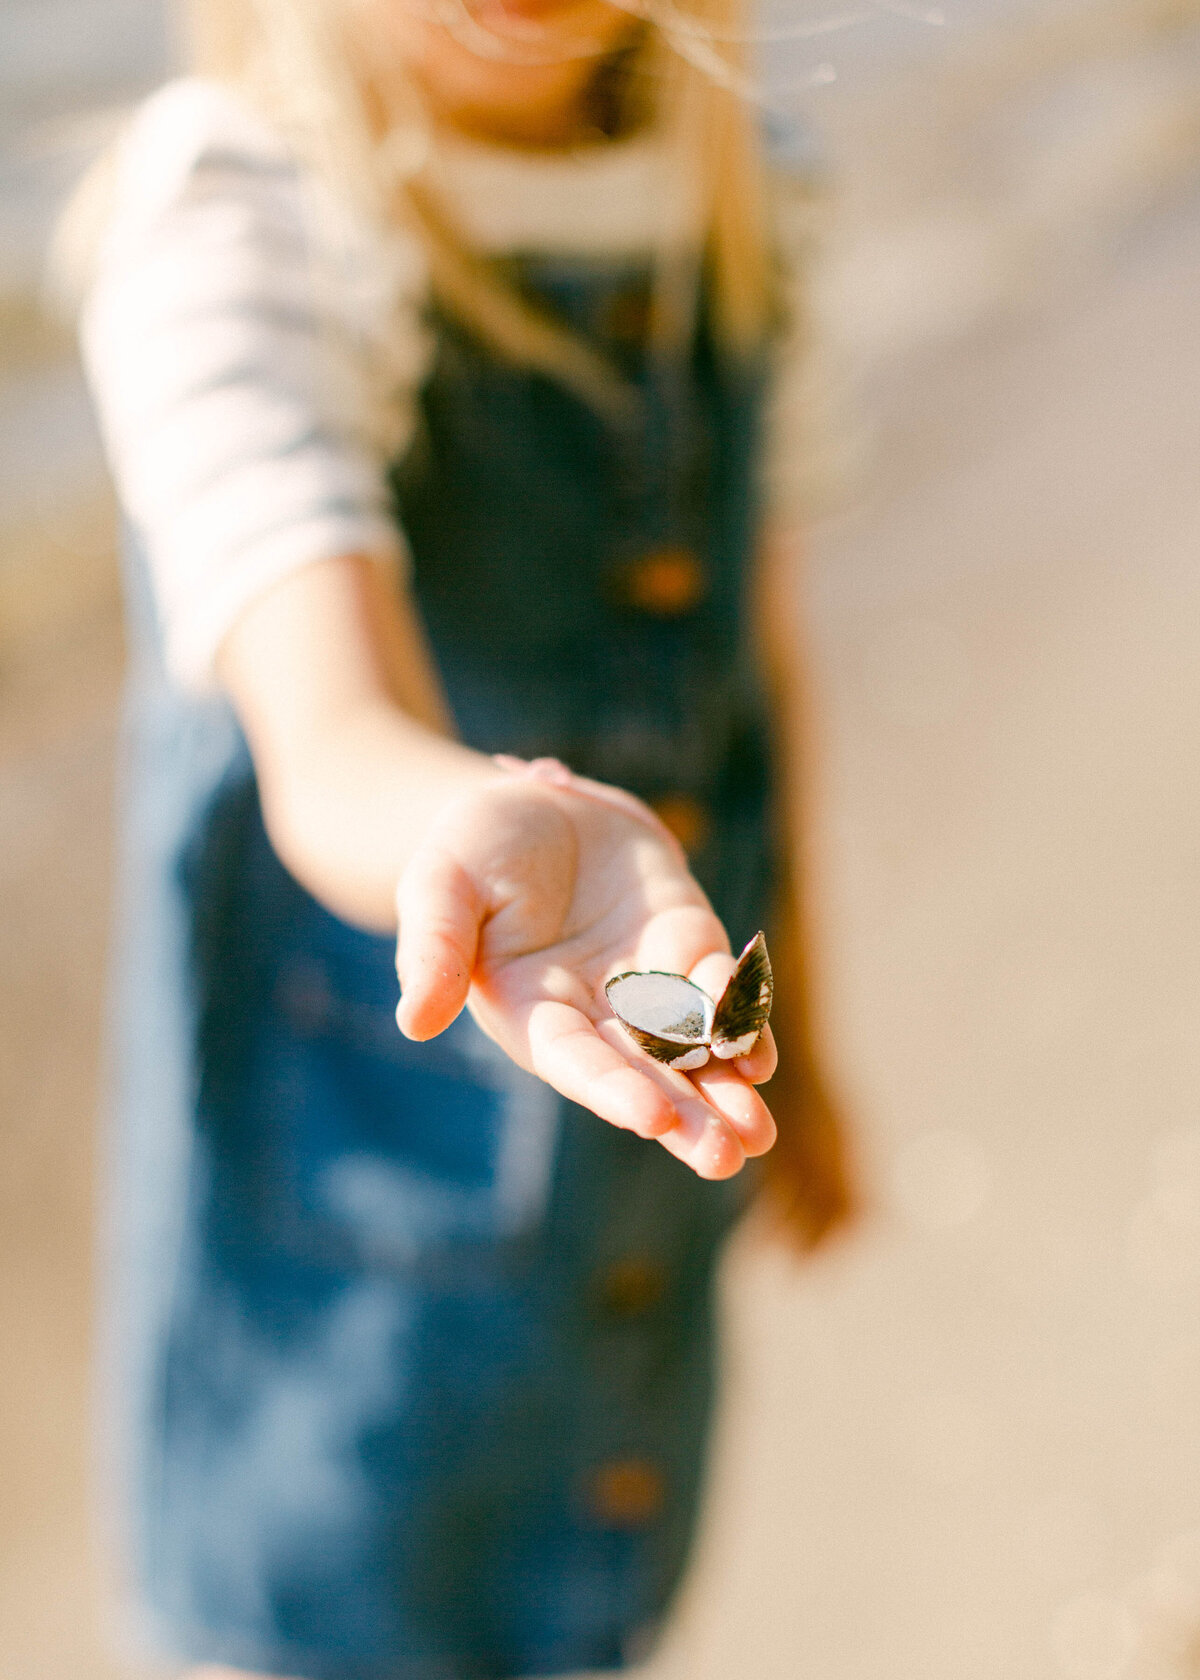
439 911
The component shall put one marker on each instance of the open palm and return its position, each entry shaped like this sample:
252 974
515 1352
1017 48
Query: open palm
527 897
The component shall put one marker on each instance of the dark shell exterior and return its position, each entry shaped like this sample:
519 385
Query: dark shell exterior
745 1003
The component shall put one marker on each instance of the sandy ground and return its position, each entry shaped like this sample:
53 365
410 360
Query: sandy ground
968 1446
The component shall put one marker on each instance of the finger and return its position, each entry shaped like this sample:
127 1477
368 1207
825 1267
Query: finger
678 940
705 1141
740 1105
439 912
566 1051
711 972
702 1136
617 1082
760 1064
618 799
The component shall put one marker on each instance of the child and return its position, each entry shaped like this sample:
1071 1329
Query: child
430 351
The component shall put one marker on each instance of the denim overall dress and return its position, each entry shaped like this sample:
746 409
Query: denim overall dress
413 1360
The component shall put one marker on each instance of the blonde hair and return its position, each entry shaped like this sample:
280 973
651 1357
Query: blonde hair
295 60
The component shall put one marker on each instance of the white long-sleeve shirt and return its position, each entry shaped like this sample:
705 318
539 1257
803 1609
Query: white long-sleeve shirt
255 354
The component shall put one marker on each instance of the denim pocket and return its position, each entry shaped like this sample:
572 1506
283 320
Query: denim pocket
370 1148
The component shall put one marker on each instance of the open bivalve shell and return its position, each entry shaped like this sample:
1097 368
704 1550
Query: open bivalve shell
679 1025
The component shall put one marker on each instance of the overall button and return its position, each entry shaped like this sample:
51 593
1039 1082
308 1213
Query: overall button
306 1000
626 315
687 818
631 1287
666 583
626 1493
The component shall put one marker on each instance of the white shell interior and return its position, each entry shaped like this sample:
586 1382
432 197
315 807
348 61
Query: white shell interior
688 1061
664 1004
727 1048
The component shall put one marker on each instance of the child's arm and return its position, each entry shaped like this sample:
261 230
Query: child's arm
238 372
516 897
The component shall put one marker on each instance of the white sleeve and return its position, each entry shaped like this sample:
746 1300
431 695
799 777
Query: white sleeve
236 358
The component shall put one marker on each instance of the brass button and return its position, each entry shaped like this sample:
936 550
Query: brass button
306 999
627 1493
631 1287
686 817
666 582
626 315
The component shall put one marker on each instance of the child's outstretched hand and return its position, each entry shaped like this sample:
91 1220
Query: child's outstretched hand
527 895
520 894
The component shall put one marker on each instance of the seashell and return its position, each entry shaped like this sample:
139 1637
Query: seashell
679 1025
745 1003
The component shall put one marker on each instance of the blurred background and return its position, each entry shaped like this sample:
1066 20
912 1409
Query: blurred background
967 1445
